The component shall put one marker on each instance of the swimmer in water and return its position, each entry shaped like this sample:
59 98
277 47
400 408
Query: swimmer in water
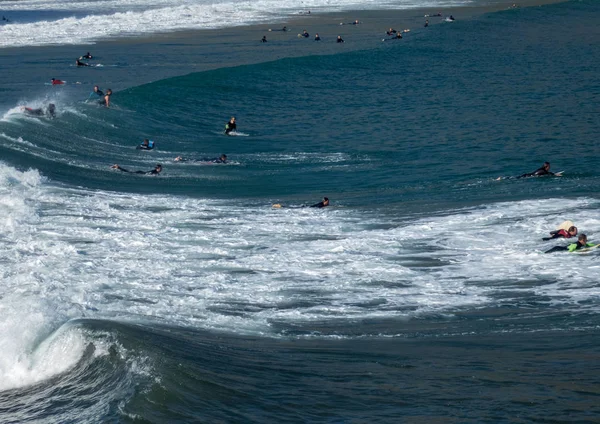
543 170
339 39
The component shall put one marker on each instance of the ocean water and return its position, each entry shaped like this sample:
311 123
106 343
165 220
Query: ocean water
422 294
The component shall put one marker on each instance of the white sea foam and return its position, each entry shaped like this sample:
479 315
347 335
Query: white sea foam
218 265
111 18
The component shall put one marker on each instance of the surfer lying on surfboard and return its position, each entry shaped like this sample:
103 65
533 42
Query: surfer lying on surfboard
543 170
565 230
322 204
581 244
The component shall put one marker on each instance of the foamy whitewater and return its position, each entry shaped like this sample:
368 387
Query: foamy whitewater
84 22
423 293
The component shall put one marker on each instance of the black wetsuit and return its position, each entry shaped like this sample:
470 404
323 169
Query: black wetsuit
319 205
230 127
317 38
558 234
339 40
152 172
305 34
565 248
537 173
79 63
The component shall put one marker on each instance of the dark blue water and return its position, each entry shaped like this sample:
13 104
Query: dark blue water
421 295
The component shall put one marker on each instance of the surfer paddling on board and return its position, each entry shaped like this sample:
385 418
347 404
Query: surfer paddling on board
55 81
220 159
230 126
541 171
322 204
79 63
566 230
581 244
157 170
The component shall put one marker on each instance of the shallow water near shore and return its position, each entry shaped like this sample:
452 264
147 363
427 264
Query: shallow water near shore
422 294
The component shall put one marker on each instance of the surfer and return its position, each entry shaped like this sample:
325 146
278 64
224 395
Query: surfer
106 100
55 81
562 233
284 29
220 159
80 63
451 18
88 55
96 92
305 34
356 22
543 170
426 23
264 39
391 31
322 204
581 244
317 38
339 39
50 111
157 170
146 145
230 126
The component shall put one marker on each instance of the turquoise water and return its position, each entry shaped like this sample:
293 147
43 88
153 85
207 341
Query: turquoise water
421 295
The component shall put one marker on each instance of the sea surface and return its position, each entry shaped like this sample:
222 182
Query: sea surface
421 295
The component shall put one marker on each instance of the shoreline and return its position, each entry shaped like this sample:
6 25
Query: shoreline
133 61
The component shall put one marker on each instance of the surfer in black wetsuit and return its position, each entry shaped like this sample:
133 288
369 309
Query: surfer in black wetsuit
220 159
581 244
80 63
322 204
543 170
426 23
317 38
305 34
284 29
339 39
157 170
230 126
391 31
264 39
50 111
88 55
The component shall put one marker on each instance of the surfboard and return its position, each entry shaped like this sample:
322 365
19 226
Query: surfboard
565 225
558 174
586 249
237 134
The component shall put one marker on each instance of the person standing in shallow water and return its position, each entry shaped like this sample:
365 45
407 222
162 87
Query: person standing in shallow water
339 39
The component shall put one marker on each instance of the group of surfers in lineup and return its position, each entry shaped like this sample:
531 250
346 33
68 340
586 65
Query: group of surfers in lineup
394 35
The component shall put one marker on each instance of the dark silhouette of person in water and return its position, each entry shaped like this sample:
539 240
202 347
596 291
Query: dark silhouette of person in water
157 170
